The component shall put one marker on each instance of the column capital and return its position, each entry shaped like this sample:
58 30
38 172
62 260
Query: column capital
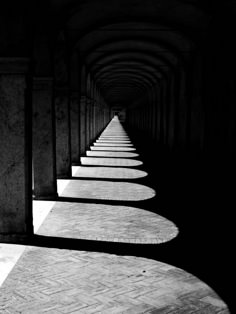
14 65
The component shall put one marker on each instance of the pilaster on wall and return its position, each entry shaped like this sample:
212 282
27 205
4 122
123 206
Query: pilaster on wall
83 122
172 112
44 151
197 112
16 221
182 110
63 133
88 121
75 126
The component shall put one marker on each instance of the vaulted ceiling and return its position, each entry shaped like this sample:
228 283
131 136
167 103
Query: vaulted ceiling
130 45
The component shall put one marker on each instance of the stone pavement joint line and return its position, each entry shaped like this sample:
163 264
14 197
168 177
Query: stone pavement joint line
56 281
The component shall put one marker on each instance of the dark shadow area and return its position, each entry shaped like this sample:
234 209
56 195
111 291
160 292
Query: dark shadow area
196 192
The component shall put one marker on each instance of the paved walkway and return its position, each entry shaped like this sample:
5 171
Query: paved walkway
58 275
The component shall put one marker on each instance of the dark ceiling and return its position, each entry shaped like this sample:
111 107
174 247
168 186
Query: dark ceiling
130 45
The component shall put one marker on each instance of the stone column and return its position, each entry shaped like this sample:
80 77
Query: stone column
197 115
158 113
154 120
16 221
63 140
182 112
91 121
44 151
88 113
164 110
75 127
82 125
94 120
172 113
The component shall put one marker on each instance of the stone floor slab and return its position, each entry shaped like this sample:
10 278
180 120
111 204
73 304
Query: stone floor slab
109 173
47 280
104 190
111 154
115 162
107 223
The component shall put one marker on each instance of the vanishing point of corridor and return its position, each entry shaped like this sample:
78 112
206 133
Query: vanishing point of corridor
88 252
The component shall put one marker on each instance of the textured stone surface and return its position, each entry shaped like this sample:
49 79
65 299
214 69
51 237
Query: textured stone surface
44 158
82 124
114 138
50 280
15 168
114 141
75 127
118 162
107 223
92 189
109 173
113 148
111 154
88 121
63 151
63 281
112 144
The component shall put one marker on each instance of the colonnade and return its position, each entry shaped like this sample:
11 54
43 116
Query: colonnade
45 127
191 109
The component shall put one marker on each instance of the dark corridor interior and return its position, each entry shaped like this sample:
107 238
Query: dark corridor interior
167 69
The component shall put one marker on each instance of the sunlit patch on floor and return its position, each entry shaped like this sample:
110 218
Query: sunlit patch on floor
40 211
113 141
109 173
61 185
113 144
115 162
111 154
107 223
82 282
113 148
106 190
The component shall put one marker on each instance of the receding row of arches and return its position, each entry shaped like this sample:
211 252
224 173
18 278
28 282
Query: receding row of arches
66 66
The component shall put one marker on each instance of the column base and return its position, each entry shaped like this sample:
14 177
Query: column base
45 197
64 176
15 238
76 163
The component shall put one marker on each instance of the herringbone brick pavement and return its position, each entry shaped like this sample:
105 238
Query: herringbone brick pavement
111 154
109 173
117 141
55 281
64 281
115 162
107 223
113 148
100 143
104 190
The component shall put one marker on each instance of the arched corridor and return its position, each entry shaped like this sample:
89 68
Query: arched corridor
117 160
56 275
